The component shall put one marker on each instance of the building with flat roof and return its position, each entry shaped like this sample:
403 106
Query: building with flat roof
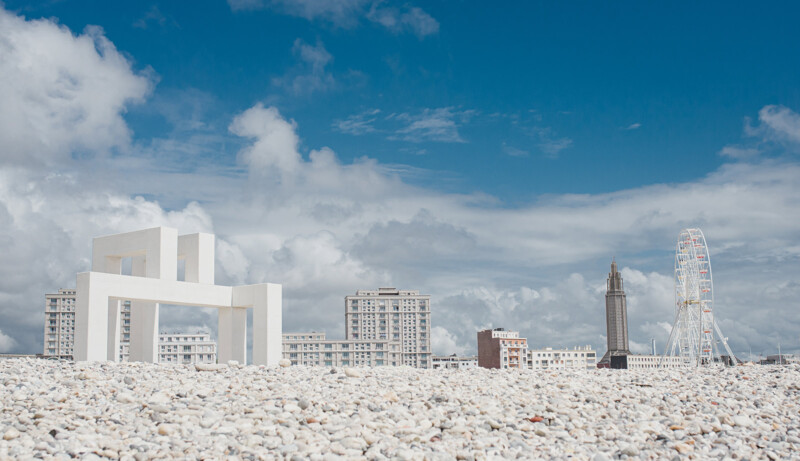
59 324
499 348
389 314
314 349
59 334
454 362
182 348
579 357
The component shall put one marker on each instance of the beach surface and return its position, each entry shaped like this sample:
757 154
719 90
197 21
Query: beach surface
59 410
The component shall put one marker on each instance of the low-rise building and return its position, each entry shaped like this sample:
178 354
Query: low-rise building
640 361
499 348
579 357
454 362
314 349
643 361
180 348
780 359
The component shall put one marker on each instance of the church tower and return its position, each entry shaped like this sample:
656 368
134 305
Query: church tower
616 316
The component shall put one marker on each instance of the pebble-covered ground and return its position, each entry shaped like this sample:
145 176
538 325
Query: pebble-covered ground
55 410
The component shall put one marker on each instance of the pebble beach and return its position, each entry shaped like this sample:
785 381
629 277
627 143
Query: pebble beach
136 411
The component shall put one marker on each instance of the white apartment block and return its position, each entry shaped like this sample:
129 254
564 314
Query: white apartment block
179 348
638 362
59 324
313 349
579 357
454 362
59 334
389 314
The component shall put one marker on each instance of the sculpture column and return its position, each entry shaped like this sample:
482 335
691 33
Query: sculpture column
232 335
144 332
114 306
91 320
267 324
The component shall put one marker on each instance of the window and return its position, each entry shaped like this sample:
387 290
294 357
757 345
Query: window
328 346
187 348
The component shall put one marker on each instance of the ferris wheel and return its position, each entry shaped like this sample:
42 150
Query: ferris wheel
693 337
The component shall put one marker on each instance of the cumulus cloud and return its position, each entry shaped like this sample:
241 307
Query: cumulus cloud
444 343
62 94
325 228
6 342
781 122
275 140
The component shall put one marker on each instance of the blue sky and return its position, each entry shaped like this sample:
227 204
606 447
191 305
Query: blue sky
503 154
559 85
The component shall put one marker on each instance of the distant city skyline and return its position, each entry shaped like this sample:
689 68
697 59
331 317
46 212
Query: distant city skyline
333 149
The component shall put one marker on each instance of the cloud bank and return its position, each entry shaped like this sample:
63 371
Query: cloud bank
325 228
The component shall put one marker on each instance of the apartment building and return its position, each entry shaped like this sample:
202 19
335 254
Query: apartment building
389 314
499 348
454 362
314 349
180 348
59 334
59 324
579 357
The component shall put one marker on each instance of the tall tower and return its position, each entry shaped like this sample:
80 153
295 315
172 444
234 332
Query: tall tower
616 316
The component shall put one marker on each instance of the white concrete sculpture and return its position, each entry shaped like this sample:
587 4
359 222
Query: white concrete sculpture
154 257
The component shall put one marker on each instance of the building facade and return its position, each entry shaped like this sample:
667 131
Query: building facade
499 348
641 361
454 362
616 316
313 349
59 334
579 358
389 314
180 348
59 324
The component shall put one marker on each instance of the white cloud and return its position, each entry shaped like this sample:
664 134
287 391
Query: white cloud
275 144
633 126
548 142
324 229
349 13
6 342
736 152
358 124
407 18
439 125
781 122
62 94
443 343
514 152
309 75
